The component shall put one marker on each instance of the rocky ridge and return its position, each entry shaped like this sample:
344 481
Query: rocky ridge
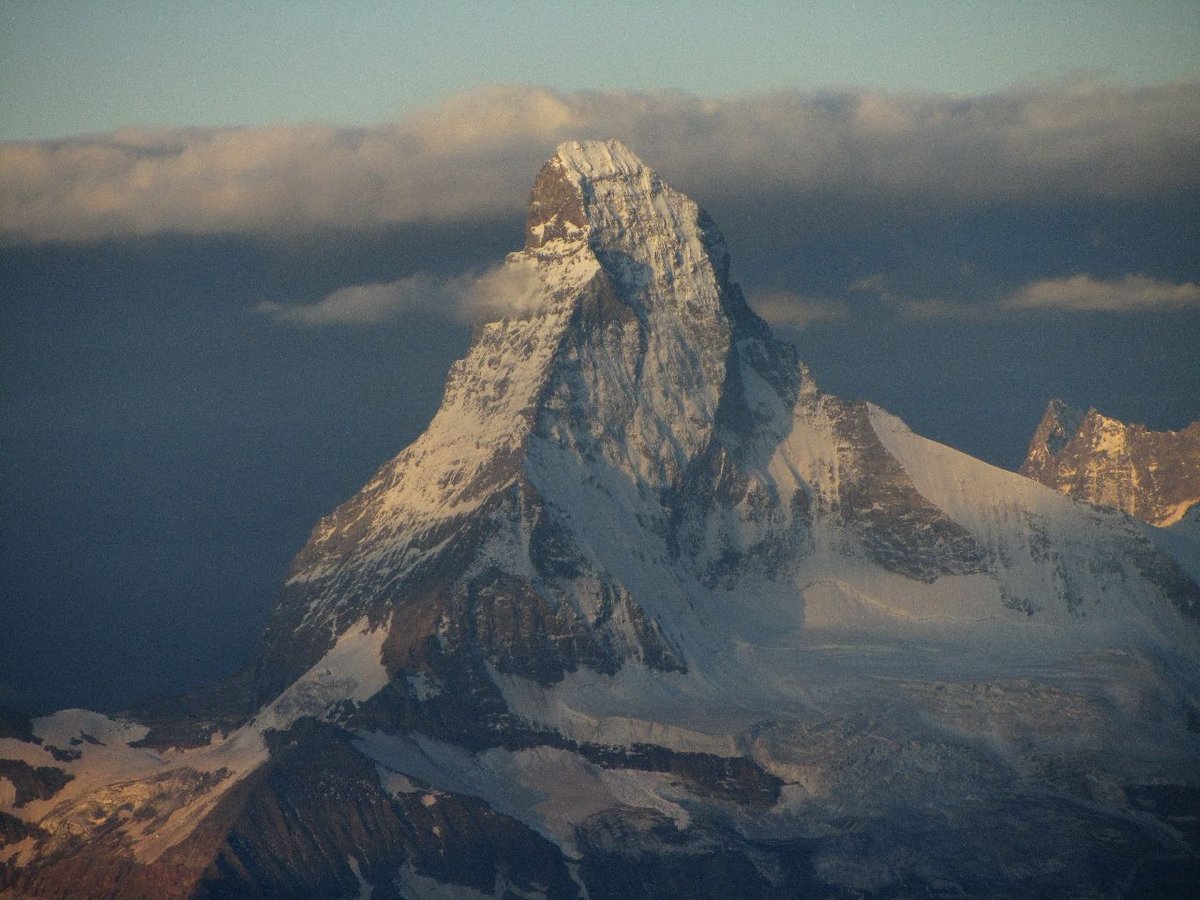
1151 475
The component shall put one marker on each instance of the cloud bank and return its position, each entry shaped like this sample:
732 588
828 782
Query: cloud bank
473 155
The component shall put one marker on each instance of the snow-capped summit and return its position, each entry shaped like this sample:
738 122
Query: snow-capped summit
629 366
644 610
635 473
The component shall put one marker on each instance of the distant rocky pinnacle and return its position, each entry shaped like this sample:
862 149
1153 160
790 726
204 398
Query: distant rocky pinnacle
1151 475
645 614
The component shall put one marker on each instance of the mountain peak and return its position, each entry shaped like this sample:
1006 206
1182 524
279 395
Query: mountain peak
1151 475
1059 424
643 608
567 182
635 364
653 243
599 159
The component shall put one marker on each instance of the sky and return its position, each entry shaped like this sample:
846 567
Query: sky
240 245
86 66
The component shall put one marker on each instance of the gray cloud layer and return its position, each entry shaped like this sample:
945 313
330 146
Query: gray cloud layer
473 155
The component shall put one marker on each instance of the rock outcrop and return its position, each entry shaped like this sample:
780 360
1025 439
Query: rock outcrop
1151 475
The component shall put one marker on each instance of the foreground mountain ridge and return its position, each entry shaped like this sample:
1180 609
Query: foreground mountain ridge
1151 475
646 613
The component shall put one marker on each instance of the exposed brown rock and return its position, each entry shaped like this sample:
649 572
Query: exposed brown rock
1151 475
33 782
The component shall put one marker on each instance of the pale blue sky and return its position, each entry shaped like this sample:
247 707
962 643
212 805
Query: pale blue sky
89 66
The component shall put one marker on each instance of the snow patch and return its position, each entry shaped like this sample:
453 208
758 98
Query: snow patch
365 890
551 790
353 670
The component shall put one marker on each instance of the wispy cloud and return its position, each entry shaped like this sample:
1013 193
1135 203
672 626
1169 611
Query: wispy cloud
1077 293
794 311
504 291
473 155
911 307
508 291
1083 293
365 304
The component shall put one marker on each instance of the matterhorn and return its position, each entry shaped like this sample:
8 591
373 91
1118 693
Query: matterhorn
644 613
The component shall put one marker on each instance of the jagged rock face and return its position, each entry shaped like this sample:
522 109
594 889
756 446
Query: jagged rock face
1151 475
644 391
630 368
644 613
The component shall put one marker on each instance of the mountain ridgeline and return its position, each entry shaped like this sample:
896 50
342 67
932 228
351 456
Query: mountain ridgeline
1151 475
645 613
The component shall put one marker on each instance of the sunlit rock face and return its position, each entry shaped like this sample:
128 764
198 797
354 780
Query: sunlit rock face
1151 475
645 613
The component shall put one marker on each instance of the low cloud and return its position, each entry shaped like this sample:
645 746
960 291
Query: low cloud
509 291
911 307
365 304
473 156
1083 293
1078 293
788 310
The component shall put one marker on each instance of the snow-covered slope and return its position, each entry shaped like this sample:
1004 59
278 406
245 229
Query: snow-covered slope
647 609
